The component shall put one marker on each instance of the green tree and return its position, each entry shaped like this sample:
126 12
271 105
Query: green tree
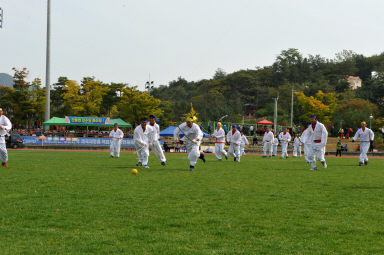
135 105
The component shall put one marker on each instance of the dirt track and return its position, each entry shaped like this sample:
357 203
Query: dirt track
248 154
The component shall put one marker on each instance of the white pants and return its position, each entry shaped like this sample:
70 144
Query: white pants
364 147
296 150
267 147
316 151
156 148
274 150
142 154
4 153
219 148
234 151
193 152
115 147
307 152
242 152
284 146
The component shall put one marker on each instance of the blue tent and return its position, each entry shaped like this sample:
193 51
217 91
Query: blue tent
171 129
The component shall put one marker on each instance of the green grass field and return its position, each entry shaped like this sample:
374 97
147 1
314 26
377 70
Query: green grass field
87 203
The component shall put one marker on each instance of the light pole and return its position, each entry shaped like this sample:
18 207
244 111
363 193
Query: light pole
275 113
47 66
1 17
370 121
292 107
149 85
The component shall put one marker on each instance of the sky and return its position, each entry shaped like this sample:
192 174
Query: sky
126 41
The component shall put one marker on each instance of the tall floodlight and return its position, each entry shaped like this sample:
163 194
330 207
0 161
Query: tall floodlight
149 85
47 65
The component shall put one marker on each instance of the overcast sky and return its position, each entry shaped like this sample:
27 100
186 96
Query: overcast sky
125 40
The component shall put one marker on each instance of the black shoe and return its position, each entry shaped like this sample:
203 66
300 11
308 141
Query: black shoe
191 168
111 156
366 162
139 164
202 157
163 163
360 163
234 159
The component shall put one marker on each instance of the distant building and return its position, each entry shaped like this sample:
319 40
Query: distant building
354 82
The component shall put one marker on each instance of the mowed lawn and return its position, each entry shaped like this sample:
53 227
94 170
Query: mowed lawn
55 202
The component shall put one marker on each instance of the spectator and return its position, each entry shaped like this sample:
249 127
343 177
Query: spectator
254 140
346 147
338 148
166 147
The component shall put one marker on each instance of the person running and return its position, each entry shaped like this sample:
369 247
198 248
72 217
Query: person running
193 137
297 146
274 146
117 135
318 136
366 136
284 138
267 142
244 141
234 140
155 145
219 136
142 138
5 127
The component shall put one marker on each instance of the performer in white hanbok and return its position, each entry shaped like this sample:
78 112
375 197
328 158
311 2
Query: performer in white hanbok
155 145
366 136
219 136
5 127
297 146
117 135
267 142
244 141
307 144
192 137
142 138
284 138
274 146
234 140
317 135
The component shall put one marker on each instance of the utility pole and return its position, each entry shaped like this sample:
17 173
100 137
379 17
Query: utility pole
47 66
1 17
275 113
292 107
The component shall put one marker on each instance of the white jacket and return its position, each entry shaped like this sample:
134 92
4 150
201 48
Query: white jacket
285 138
320 133
115 135
6 125
192 133
304 137
268 137
235 138
275 141
143 138
297 141
220 135
244 140
156 134
365 136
